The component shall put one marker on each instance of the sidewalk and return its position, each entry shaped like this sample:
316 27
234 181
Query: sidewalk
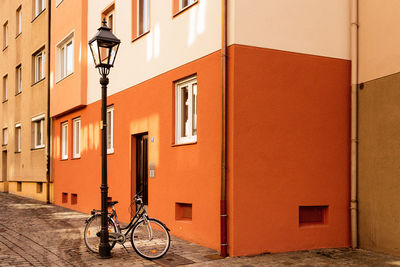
35 234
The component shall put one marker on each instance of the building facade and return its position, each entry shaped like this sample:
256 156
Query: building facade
287 117
24 109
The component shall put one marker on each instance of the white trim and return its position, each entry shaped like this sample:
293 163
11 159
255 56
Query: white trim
37 122
18 137
76 154
110 126
62 58
64 140
39 117
17 125
19 79
37 11
190 2
39 74
191 84
58 2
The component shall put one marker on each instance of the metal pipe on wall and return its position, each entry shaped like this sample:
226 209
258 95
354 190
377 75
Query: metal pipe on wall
223 202
48 156
354 123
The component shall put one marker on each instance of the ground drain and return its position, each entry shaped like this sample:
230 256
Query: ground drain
172 260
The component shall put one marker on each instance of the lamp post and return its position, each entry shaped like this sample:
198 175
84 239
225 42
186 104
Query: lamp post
104 47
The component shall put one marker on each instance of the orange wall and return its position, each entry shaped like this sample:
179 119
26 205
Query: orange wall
188 173
288 146
69 93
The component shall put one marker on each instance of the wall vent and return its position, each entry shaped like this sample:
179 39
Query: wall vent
64 198
183 211
313 215
74 199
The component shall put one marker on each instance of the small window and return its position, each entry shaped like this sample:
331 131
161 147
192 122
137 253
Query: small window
5 35
110 129
65 51
179 5
39 65
5 88
40 5
18 77
38 131
186 111
185 3
64 140
76 138
5 136
19 20
140 17
18 137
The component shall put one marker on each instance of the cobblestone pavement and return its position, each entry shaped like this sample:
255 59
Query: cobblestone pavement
35 234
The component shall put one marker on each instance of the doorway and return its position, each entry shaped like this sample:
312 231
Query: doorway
4 169
139 166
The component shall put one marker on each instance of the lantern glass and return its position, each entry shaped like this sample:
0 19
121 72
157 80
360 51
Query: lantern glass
94 48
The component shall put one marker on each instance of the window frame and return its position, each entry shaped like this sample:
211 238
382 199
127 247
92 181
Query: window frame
62 57
4 139
147 16
64 140
75 139
18 79
18 133
179 85
38 125
5 88
190 3
39 75
110 129
19 20
5 35
58 2
37 12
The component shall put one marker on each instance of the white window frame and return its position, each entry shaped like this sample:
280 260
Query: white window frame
19 20
5 87
18 133
64 140
39 60
110 128
37 10
5 136
38 127
190 2
191 83
58 2
19 79
146 19
76 142
62 57
5 35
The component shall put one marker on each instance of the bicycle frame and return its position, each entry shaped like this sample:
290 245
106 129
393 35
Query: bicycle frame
140 213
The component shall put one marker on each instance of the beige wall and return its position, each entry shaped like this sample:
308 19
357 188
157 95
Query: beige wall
30 164
379 38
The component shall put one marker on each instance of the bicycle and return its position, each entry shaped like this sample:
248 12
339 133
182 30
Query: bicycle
149 237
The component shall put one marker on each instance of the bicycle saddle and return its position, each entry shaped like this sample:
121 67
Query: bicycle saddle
111 203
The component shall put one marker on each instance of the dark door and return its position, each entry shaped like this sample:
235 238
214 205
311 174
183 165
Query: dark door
141 166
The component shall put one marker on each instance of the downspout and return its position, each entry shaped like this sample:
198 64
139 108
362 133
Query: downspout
48 156
354 122
223 210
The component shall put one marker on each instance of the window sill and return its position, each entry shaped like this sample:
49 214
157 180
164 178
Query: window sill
184 9
37 148
18 93
38 81
5 48
4 145
18 35
140 36
63 159
184 144
75 158
17 152
4 101
38 15
62 79
110 151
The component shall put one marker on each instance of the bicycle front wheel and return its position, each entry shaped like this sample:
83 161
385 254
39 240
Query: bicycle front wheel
150 239
92 232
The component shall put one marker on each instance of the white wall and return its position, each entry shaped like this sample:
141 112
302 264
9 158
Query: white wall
172 42
317 27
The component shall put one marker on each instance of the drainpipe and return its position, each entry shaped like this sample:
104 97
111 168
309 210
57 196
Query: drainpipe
223 210
48 156
354 122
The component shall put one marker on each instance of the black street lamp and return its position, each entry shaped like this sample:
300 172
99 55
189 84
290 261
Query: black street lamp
104 47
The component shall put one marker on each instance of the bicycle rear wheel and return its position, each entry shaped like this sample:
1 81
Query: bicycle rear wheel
150 239
92 232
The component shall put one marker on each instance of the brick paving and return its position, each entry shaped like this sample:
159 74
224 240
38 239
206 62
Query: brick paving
36 234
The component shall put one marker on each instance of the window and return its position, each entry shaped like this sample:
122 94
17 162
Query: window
5 88
18 77
179 5
39 65
186 111
76 138
38 131
5 35
5 136
18 137
141 17
19 20
65 50
108 15
64 140
110 129
40 5
185 3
